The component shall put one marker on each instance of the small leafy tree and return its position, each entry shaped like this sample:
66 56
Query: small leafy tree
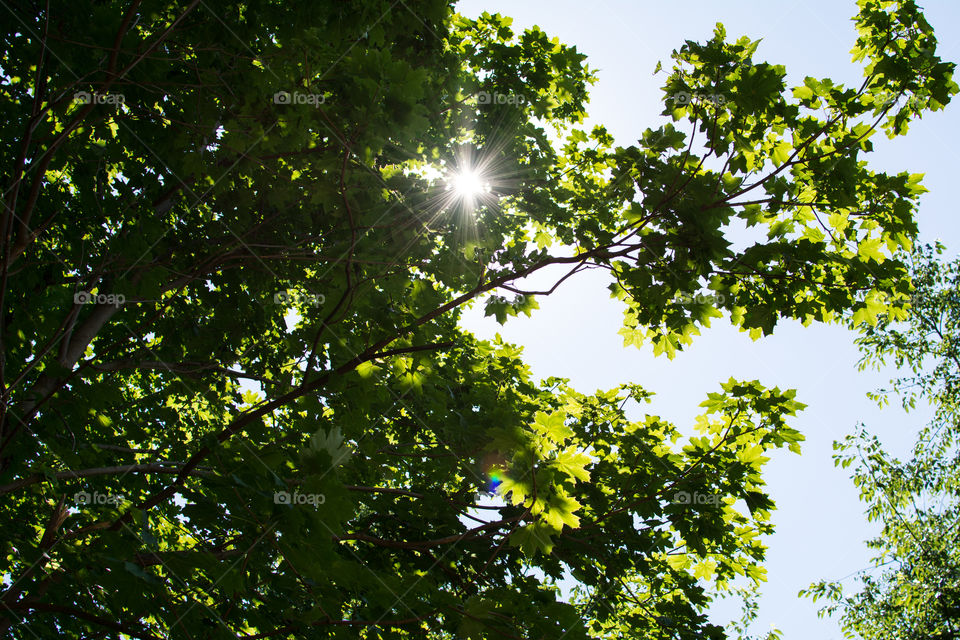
913 588
236 400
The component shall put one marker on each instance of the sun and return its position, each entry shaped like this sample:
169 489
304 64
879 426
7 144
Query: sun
468 185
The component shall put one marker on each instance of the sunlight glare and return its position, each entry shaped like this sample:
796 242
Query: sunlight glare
468 184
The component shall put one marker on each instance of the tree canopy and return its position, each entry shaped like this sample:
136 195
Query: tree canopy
912 589
236 399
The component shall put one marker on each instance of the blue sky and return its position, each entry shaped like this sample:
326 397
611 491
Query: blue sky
820 522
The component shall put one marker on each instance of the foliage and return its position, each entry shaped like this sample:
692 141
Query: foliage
916 593
750 610
236 398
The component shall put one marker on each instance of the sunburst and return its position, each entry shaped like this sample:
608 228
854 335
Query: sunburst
470 186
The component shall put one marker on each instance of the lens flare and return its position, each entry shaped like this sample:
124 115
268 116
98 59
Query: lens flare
495 482
494 467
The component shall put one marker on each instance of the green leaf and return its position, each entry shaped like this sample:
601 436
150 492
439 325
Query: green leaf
533 538
552 425
572 463
751 455
870 249
781 153
367 369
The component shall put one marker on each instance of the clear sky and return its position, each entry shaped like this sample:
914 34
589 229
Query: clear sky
820 522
